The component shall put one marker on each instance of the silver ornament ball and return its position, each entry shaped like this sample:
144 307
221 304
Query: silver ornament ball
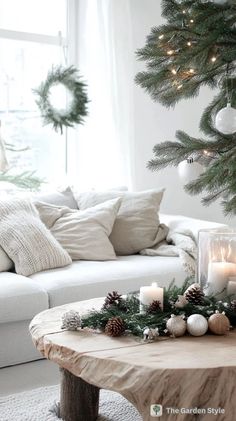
197 325
225 121
189 170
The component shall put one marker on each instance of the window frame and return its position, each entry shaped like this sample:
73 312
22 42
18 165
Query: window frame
67 43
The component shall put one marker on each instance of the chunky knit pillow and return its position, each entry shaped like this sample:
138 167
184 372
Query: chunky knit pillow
27 241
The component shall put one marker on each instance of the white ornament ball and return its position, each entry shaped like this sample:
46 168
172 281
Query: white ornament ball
225 121
176 325
197 325
189 170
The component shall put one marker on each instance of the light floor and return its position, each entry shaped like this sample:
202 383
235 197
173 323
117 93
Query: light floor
28 376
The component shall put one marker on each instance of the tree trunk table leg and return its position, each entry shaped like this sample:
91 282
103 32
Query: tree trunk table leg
79 400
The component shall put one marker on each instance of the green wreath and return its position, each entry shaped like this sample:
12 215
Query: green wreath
77 109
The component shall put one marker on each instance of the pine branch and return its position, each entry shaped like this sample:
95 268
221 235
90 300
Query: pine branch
26 180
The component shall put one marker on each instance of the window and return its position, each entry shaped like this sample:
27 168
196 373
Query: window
33 37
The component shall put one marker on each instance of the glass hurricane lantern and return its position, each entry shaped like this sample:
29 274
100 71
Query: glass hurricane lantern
217 262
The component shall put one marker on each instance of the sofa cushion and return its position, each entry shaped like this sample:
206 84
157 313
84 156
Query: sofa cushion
63 198
137 223
83 279
83 234
20 298
26 240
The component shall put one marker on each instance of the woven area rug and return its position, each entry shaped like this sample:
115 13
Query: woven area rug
41 405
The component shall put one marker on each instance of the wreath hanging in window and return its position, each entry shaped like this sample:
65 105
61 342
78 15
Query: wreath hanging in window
75 98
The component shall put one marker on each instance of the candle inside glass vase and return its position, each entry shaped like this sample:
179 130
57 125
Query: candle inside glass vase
151 293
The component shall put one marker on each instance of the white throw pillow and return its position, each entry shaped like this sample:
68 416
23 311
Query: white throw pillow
137 223
5 262
84 234
27 241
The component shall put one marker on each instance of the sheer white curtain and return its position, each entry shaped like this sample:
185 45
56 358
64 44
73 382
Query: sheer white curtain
105 58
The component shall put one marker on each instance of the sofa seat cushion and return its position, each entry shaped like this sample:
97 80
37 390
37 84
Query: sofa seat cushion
83 280
20 298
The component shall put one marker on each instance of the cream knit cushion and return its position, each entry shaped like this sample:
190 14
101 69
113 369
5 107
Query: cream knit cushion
137 223
27 241
84 234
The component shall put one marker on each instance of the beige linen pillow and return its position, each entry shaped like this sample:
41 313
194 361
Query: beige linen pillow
84 234
58 198
27 241
137 223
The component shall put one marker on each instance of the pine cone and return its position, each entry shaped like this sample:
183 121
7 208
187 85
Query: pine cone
154 307
233 305
111 299
115 326
194 295
71 320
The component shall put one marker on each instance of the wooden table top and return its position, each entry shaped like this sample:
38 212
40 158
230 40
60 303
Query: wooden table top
141 371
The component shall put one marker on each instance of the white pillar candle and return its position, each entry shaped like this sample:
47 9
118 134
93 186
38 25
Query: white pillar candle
218 275
151 293
231 288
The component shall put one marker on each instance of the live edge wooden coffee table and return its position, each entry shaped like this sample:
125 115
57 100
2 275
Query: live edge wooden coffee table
183 375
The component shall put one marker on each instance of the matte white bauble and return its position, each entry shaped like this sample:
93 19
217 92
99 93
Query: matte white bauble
197 325
189 170
226 120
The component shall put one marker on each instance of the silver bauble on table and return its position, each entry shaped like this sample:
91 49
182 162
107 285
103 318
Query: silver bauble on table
225 121
197 325
189 170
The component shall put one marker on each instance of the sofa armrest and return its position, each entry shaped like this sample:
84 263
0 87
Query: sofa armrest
180 222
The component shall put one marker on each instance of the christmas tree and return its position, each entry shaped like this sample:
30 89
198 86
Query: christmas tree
195 48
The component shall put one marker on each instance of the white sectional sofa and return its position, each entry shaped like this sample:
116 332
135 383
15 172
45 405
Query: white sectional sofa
23 297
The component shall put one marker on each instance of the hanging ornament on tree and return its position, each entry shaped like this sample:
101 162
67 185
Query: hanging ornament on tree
176 325
189 170
225 121
218 323
197 325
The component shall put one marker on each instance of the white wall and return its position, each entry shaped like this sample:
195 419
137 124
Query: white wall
154 124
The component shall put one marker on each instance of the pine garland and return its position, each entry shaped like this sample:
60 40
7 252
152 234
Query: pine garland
77 110
135 323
